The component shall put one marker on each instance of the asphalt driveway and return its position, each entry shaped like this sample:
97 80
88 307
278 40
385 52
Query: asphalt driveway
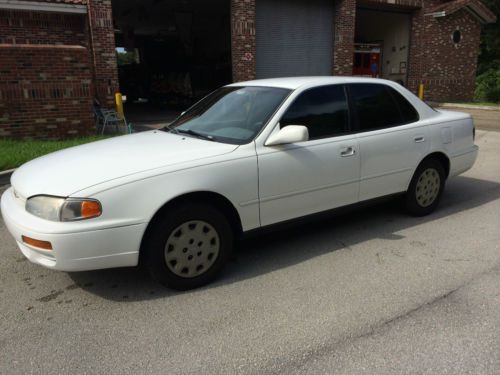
484 119
373 291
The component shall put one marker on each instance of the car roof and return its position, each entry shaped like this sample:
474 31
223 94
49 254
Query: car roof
294 83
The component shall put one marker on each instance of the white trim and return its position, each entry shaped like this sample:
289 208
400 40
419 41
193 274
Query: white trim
472 8
43 6
435 14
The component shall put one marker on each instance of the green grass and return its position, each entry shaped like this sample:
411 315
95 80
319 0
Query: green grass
13 153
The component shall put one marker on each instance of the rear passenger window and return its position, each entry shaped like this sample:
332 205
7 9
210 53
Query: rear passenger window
323 110
408 112
379 106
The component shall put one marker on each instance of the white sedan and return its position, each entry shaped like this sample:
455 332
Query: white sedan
247 156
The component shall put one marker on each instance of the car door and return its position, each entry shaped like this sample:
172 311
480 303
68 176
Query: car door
391 139
316 175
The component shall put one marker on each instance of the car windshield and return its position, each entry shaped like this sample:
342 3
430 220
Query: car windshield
231 114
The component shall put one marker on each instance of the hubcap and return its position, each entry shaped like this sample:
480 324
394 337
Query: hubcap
428 186
192 248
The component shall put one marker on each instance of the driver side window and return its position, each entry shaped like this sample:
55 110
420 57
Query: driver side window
323 110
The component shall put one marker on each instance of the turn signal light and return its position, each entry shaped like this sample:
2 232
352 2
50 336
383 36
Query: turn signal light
45 245
80 209
90 209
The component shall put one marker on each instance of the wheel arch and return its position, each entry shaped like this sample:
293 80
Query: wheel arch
439 155
216 199
442 158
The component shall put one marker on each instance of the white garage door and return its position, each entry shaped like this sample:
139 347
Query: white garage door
294 37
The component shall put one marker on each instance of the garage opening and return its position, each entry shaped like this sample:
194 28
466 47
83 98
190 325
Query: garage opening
381 47
294 38
170 54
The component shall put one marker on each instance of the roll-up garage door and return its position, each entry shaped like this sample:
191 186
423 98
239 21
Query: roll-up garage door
294 37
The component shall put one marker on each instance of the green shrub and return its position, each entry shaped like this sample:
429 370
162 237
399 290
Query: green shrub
488 86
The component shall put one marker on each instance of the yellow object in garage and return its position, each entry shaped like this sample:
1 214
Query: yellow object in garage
119 104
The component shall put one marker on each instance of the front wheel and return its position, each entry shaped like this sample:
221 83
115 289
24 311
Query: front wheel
189 246
426 188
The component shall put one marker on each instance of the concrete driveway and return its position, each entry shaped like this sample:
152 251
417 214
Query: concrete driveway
374 292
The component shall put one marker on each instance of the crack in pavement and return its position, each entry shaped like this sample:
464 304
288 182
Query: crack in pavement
303 359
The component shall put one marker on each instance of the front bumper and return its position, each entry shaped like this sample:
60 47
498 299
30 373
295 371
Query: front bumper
72 250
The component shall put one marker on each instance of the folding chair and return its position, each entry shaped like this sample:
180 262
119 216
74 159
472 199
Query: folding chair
105 117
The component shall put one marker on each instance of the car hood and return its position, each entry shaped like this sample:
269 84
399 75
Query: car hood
67 171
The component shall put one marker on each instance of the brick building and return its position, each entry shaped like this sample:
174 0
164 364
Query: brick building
58 56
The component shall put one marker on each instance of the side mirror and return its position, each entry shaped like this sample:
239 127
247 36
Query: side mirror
288 134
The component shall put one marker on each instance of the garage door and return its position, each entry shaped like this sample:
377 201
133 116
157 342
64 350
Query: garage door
294 37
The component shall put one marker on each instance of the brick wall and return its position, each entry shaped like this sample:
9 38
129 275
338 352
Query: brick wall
344 28
24 27
45 91
52 65
243 48
102 40
447 69
45 75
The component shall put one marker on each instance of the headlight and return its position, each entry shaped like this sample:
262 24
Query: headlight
45 207
60 209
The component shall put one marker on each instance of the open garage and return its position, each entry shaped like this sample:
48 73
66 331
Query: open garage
382 42
170 53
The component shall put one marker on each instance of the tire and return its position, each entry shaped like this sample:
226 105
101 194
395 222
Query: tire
426 188
189 246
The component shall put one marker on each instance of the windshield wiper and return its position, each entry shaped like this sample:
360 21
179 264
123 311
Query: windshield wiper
196 134
168 128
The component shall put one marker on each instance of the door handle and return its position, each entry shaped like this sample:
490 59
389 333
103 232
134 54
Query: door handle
419 139
348 151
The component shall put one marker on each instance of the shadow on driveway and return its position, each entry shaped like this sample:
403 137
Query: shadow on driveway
285 248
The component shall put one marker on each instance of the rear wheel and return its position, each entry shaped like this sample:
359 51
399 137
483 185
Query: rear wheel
426 188
189 246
